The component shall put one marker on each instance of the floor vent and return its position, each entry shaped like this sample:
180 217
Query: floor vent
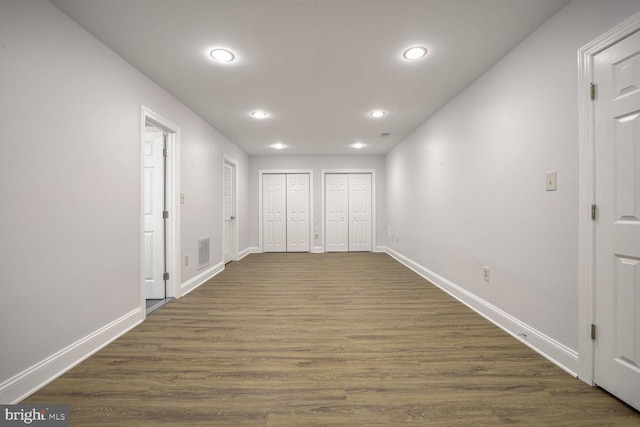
203 253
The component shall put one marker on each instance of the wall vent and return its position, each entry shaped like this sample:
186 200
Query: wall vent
203 253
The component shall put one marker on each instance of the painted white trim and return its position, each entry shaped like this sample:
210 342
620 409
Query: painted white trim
587 185
42 373
234 208
243 253
262 172
323 174
546 346
201 278
173 203
317 250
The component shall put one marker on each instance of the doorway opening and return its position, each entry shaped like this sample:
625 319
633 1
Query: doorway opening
610 217
160 274
229 206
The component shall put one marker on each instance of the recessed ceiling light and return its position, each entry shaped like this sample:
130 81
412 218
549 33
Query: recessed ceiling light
259 114
222 55
414 53
377 113
278 146
358 145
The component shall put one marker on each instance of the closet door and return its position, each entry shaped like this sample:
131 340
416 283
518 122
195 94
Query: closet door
359 212
337 212
298 212
274 204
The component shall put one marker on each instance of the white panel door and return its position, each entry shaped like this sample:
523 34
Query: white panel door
617 288
337 212
359 212
274 205
298 213
228 214
154 244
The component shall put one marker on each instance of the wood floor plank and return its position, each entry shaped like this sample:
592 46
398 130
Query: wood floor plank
323 340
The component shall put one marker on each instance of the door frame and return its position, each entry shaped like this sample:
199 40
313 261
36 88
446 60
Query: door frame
587 188
234 206
172 186
263 172
324 173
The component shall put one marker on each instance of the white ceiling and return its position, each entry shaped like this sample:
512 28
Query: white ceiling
317 66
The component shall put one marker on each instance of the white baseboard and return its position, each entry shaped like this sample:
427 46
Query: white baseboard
320 249
246 252
198 280
30 380
556 352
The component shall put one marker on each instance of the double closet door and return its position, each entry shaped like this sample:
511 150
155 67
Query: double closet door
285 212
348 218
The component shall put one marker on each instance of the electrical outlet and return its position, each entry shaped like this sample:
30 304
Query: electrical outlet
186 260
486 274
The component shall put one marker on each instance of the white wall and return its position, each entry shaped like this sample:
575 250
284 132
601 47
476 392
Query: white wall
70 170
467 188
201 182
316 164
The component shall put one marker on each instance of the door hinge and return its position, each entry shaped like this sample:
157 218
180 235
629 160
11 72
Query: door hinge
165 276
592 91
165 152
165 214
594 211
593 331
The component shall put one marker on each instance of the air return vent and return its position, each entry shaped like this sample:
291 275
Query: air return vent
203 253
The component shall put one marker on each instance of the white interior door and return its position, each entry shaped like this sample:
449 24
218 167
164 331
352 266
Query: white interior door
348 217
298 212
274 205
228 216
337 211
359 212
154 223
617 265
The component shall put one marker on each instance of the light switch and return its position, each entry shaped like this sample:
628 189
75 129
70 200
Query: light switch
182 198
551 178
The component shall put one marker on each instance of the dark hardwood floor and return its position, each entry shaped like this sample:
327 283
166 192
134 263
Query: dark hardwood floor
324 340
